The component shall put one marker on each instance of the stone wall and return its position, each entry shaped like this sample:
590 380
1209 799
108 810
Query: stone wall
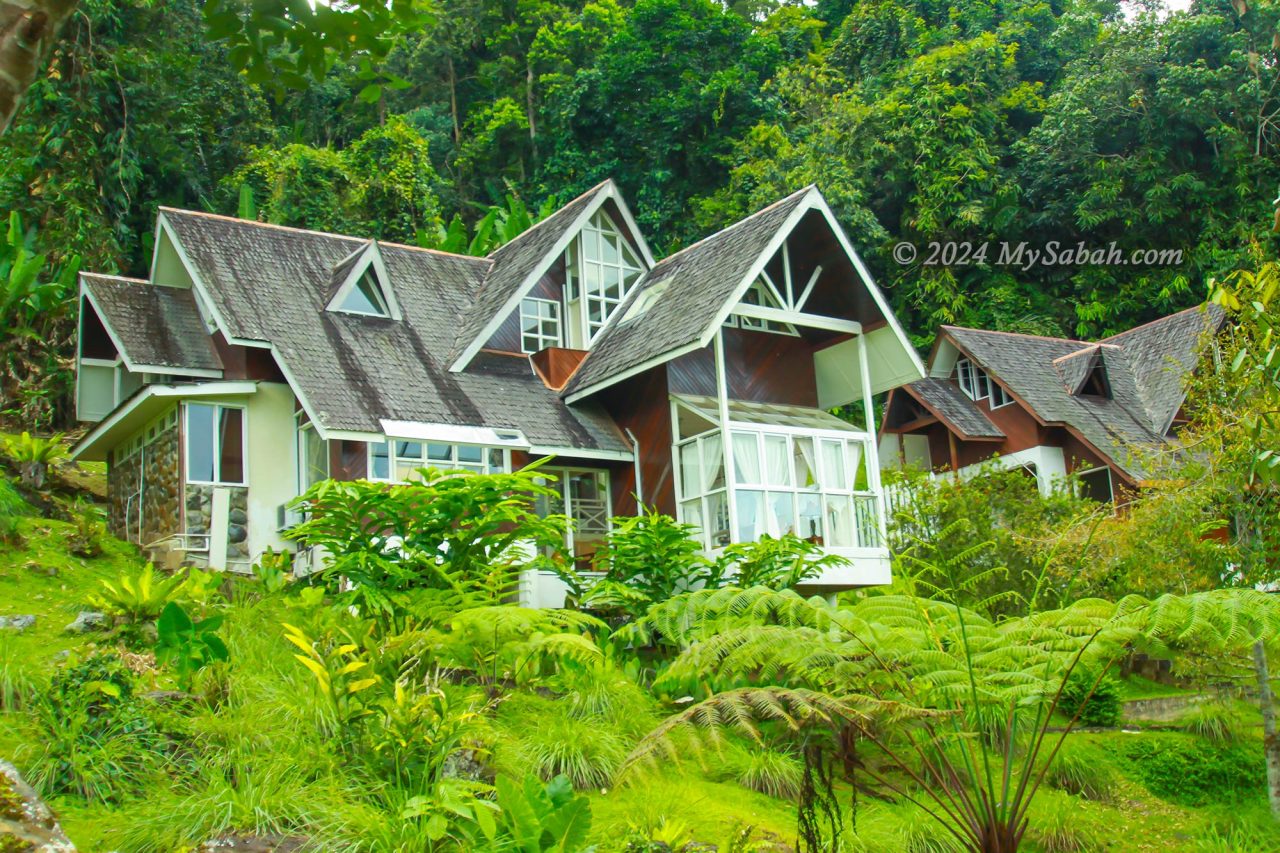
155 471
123 480
199 502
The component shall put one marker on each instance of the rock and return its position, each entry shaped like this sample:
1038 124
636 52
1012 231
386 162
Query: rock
238 516
17 623
237 533
88 620
25 817
170 697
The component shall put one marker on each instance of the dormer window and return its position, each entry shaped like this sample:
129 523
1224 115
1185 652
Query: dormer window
539 324
361 285
1096 383
366 296
977 385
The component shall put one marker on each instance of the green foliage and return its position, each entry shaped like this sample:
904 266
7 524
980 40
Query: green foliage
1082 770
537 816
1218 721
1094 698
580 748
12 508
645 559
137 597
89 532
771 770
450 531
498 226
1193 772
1058 829
779 563
96 739
188 645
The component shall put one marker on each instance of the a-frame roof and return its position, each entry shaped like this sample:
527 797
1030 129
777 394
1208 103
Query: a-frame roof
515 267
156 329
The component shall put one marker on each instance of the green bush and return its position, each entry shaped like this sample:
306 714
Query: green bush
1217 721
1101 709
1193 772
1083 770
1056 828
537 736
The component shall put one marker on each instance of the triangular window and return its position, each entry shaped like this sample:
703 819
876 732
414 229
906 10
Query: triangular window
360 285
1096 383
366 297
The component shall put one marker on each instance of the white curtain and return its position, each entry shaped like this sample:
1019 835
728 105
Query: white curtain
835 473
806 470
712 463
746 458
777 460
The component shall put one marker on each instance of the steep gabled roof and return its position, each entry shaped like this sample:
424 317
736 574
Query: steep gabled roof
153 327
698 281
270 284
514 264
1047 373
947 402
1162 353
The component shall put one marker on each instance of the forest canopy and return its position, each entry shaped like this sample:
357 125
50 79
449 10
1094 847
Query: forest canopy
1084 122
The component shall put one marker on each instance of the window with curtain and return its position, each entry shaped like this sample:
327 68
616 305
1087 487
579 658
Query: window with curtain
215 444
313 457
812 486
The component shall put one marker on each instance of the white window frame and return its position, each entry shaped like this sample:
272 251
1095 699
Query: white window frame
766 297
301 425
629 263
977 384
542 341
862 502
1111 480
145 436
394 459
217 444
562 478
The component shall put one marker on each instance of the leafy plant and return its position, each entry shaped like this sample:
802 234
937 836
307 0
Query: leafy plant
33 456
1083 771
451 530
1217 721
137 597
781 563
539 816
1094 698
1059 829
86 538
343 675
187 645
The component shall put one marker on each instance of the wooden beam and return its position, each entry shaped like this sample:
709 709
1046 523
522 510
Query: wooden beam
798 318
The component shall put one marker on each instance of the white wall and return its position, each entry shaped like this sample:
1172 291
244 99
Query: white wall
272 478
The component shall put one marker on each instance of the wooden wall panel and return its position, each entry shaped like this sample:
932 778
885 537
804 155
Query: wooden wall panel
348 460
641 404
550 286
239 362
759 366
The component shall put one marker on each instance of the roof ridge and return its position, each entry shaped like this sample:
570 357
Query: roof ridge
1020 335
124 278
549 217
734 225
1203 306
292 228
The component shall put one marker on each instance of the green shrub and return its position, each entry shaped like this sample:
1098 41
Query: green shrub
1056 827
1192 772
1239 829
1083 770
539 737
772 770
1217 721
1101 709
96 740
16 683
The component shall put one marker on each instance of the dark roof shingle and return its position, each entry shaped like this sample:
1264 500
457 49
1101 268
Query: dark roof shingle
946 399
156 326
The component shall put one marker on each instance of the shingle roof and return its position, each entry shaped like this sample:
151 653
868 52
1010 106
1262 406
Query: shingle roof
1146 370
270 284
1163 352
954 407
699 282
511 265
156 326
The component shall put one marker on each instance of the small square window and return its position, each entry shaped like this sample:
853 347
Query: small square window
539 324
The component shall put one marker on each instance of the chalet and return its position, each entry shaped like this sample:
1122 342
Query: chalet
1099 413
259 359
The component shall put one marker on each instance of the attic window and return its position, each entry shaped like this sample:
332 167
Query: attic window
366 297
762 295
977 385
1096 383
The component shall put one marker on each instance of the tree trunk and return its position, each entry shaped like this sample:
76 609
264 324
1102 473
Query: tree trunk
453 103
530 112
1270 743
28 29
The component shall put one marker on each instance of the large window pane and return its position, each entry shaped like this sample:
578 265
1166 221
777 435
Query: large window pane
777 460
690 471
718 519
782 513
691 511
751 521
840 530
805 469
200 442
712 463
313 457
809 511
835 472
380 461
231 444
746 459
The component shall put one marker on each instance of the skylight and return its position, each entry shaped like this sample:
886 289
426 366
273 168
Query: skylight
366 296
361 287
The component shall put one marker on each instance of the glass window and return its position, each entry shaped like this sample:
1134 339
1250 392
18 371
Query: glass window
762 295
805 467
403 459
380 461
746 459
366 297
313 457
539 324
215 444
601 269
